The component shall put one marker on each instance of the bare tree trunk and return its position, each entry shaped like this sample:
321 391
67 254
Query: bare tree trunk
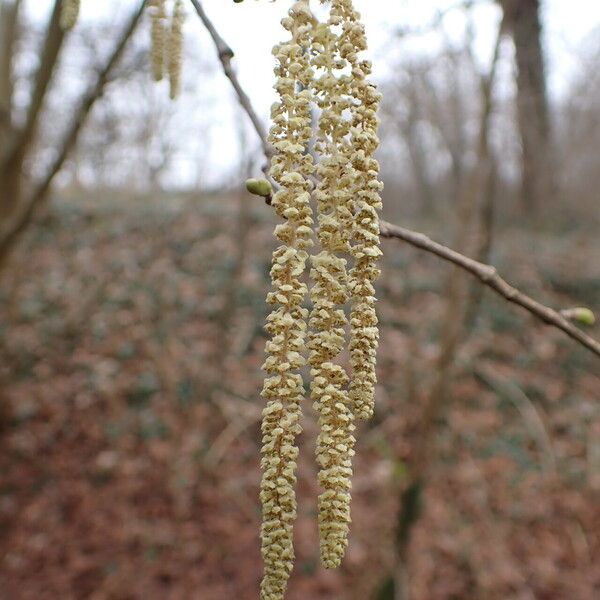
11 169
417 151
484 244
538 179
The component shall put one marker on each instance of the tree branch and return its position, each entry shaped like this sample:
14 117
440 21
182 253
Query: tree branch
486 274
490 277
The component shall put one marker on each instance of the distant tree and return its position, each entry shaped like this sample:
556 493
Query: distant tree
538 180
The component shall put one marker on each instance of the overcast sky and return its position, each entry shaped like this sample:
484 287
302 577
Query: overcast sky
252 28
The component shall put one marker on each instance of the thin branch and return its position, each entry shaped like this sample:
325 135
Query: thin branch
485 273
490 277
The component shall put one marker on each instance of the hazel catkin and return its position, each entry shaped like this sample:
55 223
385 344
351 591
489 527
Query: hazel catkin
158 36
283 388
320 65
175 49
364 333
329 294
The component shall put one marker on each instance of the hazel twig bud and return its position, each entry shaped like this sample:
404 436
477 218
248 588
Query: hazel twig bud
580 314
259 187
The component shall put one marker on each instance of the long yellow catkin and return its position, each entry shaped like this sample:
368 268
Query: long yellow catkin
329 295
69 13
158 37
283 388
364 337
175 49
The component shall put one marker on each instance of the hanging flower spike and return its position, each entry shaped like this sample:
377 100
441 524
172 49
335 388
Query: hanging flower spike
329 295
69 13
283 388
364 336
158 35
175 49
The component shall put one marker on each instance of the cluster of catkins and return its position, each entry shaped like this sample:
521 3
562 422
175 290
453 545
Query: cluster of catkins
319 65
166 54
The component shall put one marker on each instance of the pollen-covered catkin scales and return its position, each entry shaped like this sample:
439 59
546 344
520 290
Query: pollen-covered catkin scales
329 295
283 388
175 49
320 65
69 13
158 36
364 336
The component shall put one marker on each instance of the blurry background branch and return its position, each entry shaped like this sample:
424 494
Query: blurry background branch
485 273
20 199
8 34
15 146
436 22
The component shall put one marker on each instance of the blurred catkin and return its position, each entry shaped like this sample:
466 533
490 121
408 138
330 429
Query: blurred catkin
329 294
175 49
69 13
158 35
283 388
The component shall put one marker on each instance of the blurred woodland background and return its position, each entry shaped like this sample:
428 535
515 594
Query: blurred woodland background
133 272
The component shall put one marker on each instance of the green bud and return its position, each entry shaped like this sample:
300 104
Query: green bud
238 1
259 187
580 314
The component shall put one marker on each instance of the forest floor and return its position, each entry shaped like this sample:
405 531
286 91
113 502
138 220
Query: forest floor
130 350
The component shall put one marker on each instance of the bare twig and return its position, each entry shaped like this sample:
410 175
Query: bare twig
489 276
18 143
